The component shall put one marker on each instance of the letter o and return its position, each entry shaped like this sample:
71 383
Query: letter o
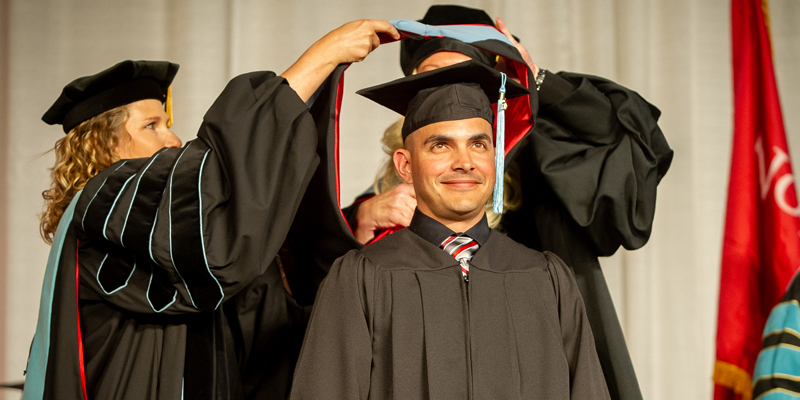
781 187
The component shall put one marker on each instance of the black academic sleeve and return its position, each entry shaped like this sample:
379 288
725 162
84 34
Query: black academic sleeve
601 151
188 228
336 358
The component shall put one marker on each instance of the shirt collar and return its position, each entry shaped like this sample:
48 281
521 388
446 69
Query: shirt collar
436 233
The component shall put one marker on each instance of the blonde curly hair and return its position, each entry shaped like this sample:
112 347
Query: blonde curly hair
388 177
86 150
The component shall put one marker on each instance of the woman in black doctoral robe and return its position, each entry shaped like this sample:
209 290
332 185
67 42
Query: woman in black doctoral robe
163 279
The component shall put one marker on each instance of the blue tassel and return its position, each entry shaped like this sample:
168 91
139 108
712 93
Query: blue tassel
500 153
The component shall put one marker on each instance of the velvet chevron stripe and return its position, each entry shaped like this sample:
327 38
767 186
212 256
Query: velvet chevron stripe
97 212
146 197
185 216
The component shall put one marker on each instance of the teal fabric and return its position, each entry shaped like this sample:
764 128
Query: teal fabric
785 315
778 395
464 33
37 361
781 359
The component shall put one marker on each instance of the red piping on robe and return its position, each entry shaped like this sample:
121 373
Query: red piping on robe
78 316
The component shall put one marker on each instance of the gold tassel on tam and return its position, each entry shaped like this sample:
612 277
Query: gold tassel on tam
168 107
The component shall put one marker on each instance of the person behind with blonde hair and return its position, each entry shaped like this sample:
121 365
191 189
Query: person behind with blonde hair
164 279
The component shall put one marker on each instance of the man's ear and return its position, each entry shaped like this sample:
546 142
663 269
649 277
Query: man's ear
402 163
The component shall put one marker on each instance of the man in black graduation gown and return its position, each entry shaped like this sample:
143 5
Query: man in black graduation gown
427 313
588 173
163 267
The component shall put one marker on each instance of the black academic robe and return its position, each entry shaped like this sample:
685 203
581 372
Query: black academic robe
162 281
589 173
389 326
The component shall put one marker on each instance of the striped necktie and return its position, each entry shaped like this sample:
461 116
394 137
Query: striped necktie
462 247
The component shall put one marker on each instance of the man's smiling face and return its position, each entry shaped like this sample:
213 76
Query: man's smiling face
451 165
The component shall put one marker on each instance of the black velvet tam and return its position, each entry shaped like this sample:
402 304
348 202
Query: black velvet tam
461 91
122 84
413 52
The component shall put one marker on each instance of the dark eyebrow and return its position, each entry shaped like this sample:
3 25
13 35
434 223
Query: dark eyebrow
438 138
480 136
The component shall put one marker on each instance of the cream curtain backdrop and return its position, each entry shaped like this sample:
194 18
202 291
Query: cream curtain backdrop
676 53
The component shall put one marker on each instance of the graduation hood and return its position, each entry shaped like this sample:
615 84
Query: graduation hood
521 111
320 223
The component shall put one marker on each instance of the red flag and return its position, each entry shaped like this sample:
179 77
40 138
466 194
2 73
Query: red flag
761 249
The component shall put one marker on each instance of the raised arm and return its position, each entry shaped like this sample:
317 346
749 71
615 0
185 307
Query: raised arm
189 227
351 42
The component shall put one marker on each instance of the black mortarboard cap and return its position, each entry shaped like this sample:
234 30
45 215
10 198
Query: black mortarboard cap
414 51
461 91
122 84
